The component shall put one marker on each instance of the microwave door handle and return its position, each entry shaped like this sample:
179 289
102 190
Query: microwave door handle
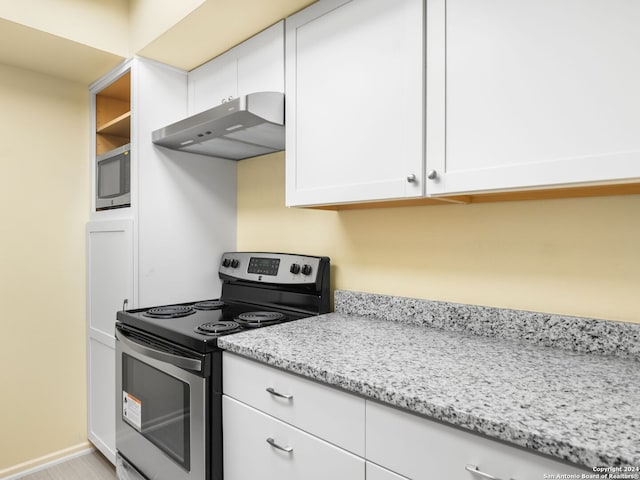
176 360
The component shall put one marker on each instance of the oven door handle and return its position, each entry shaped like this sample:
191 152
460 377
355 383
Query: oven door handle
171 359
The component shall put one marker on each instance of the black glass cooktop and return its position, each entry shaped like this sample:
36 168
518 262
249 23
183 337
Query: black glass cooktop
197 325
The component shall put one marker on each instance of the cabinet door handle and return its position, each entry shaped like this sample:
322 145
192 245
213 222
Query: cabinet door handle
278 394
273 443
411 178
486 476
432 175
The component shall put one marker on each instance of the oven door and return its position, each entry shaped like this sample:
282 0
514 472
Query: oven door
161 405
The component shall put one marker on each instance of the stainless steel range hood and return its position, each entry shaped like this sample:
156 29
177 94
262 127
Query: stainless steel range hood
244 127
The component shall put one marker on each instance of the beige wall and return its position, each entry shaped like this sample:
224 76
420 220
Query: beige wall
573 256
44 205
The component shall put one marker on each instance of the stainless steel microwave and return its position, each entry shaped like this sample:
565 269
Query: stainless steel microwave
113 178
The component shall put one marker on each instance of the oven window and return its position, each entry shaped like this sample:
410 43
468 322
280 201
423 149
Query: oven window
157 405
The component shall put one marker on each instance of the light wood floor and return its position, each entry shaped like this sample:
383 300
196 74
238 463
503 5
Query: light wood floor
92 466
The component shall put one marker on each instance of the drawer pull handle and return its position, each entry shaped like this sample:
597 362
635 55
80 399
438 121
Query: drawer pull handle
273 443
474 469
278 394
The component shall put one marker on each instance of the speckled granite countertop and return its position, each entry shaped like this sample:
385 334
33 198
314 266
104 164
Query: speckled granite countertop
583 408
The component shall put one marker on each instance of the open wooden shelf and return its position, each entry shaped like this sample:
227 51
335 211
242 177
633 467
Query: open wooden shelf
113 115
105 143
119 126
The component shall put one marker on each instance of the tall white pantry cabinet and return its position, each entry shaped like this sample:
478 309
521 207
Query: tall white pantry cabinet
165 247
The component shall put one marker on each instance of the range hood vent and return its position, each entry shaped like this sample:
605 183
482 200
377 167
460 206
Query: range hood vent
243 127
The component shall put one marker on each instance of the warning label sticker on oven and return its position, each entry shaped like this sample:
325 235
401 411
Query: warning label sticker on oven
132 410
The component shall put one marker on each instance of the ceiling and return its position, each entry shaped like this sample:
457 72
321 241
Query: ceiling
216 26
49 54
210 29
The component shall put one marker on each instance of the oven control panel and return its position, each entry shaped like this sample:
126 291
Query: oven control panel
283 268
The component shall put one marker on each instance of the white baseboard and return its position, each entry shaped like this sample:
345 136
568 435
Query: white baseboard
41 463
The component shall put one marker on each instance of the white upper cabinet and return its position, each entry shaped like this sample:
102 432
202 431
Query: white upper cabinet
537 93
213 83
261 62
385 101
256 65
354 110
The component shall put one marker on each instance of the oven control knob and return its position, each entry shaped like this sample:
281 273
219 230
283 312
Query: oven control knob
306 269
226 262
235 263
295 268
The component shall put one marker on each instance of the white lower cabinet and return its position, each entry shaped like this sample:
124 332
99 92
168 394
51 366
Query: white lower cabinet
101 392
423 449
326 412
285 442
257 445
375 472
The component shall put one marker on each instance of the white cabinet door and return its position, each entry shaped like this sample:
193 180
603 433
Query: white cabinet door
255 65
213 83
354 76
261 62
537 94
292 454
101 385
109 273
109 283
422 449
374 472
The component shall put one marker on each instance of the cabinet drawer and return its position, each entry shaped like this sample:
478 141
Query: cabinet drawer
423 449
248 454
330 414
374 472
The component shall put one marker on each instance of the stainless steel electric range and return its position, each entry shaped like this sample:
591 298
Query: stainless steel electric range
169 367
